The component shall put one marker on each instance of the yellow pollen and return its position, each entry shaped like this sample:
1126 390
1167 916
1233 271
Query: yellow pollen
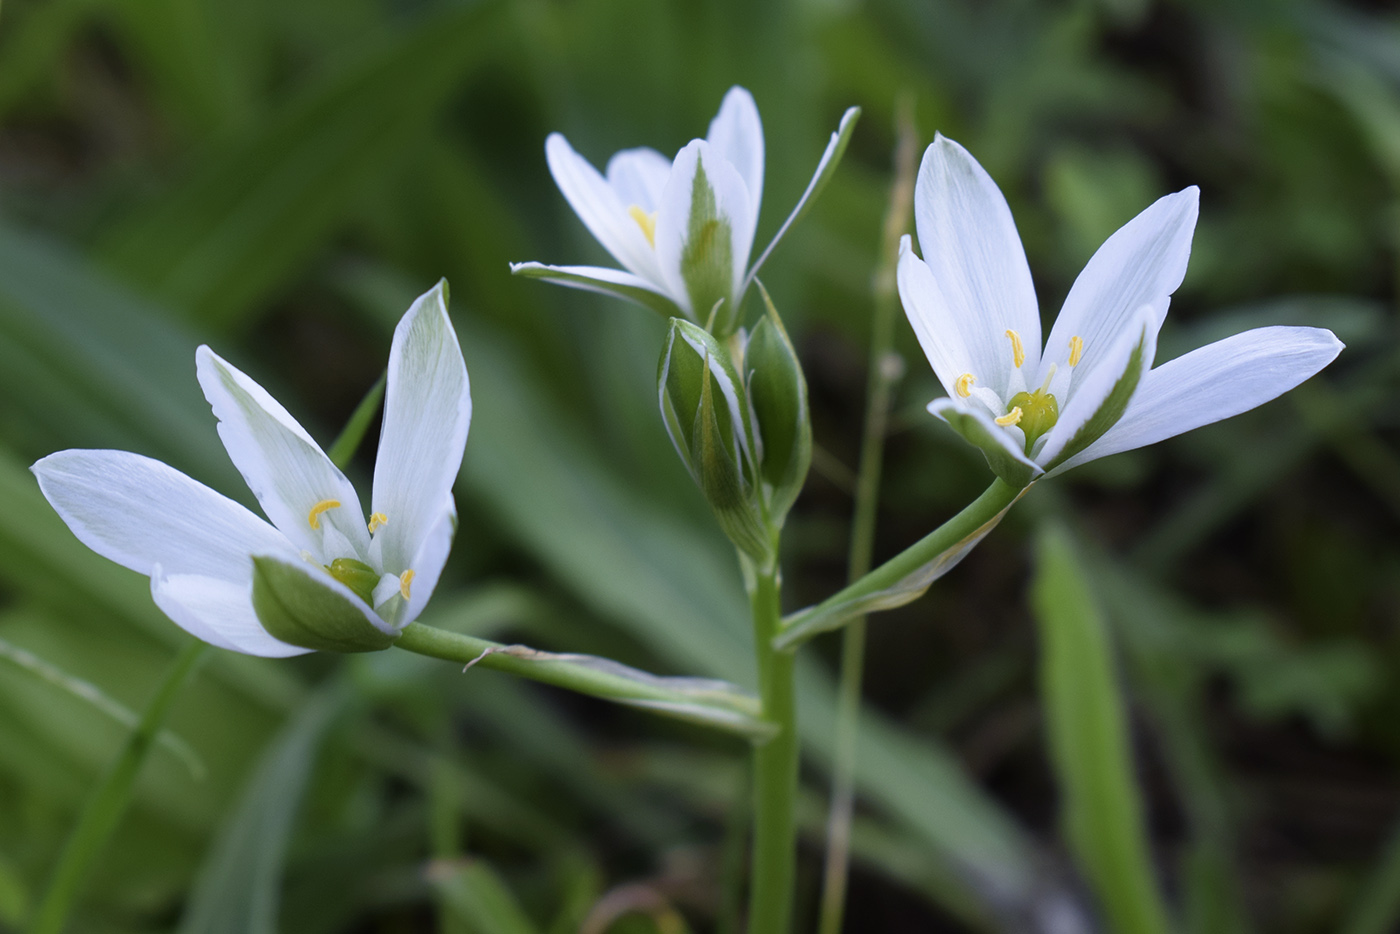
1076 350
405 579
314 517
1010 418
964 384
1018 352
377 520
645 221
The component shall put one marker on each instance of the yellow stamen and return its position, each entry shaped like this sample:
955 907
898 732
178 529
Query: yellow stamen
377 520
964 384
1018 352
314 517
645 221
1076 350
405 579
1010 418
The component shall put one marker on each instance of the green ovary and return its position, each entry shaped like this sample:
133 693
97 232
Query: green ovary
358 576
1039 412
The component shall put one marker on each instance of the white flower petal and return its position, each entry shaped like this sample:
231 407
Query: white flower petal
934 323
601 210
736 134
969 242
428 564
606 281
639 176
218 611
1141 264
286 470
427 411
1004 448
141 513
1107 389
1217 381
674 222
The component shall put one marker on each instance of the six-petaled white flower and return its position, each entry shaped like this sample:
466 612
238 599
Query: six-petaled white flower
1092 391
682 229
203 550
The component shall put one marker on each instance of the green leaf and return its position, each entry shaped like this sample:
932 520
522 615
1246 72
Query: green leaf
298 609
348 441
239 885
1088 736
105 808
248 219
478 896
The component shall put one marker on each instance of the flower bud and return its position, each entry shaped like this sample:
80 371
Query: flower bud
707 416
297 608
778 393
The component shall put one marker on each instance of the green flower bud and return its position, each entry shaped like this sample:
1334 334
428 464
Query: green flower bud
707 416
778 392
298 609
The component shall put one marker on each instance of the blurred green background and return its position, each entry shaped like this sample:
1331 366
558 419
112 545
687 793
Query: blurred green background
279 179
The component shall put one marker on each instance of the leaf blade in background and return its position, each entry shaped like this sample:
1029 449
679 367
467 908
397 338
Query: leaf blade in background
1088 736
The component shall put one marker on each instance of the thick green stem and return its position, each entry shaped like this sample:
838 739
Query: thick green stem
775 765
710 703
884 370
108 802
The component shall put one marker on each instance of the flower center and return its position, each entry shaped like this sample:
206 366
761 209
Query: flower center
645 221
358 576
1036 413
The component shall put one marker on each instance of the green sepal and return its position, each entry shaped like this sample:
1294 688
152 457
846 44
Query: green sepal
1012 467
778 393
707 259
296 608
700 395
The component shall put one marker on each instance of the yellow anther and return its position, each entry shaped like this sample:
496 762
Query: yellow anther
964 384
314 517
405 579
377 520
645 221
1018 352
1010 418
1076 350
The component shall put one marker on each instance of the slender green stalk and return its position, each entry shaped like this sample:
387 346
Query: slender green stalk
108 802
775 765
907 575
884 370
709 703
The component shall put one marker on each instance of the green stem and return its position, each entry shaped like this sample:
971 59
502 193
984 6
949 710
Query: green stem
105 808
907 575
709 703
884 370
775 765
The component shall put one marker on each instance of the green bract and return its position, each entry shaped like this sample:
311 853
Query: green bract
778 394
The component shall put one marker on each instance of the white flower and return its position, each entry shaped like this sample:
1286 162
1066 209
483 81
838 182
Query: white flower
199 547
1091 392
682 229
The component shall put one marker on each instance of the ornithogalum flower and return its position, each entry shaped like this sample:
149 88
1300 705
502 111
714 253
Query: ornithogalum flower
319 575
1092 391
682 228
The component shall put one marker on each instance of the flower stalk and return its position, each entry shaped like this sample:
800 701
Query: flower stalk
775 762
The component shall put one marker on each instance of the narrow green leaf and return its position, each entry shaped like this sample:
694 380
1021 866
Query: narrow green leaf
478 896
1088 736
91 694
348 441
109 800
239 885
1376 910
220 242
